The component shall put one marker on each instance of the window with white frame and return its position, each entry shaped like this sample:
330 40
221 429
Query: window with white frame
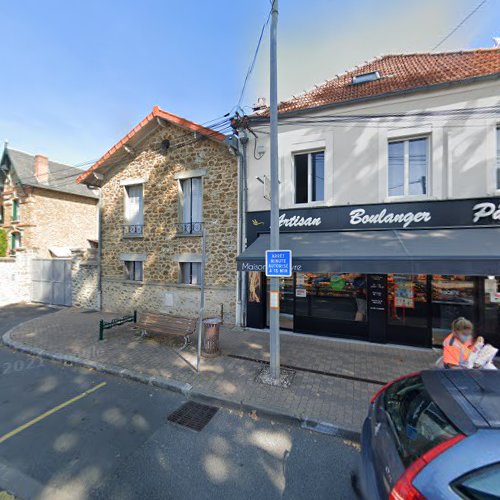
190 273
134 270
191 204
498 158
309 177
408 167
134 210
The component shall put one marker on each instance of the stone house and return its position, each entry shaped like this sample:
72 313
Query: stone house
42 209
160 185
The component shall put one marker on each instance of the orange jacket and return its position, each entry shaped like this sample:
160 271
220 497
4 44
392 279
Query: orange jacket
455 352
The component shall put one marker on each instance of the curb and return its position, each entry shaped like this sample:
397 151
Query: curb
185 389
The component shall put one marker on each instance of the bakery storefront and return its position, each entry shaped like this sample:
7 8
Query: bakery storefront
392 273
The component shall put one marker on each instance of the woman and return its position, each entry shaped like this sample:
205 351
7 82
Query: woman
459 345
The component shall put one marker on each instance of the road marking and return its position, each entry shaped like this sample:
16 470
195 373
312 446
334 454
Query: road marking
50 412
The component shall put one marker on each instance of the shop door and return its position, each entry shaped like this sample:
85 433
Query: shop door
286 302
409 310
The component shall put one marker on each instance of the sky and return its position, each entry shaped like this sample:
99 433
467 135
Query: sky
78 75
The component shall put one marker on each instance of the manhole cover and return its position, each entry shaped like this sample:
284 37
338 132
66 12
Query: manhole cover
193 415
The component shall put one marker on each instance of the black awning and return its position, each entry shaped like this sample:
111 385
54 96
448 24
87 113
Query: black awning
437 251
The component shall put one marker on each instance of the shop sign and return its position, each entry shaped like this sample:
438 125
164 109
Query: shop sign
300 292
426 214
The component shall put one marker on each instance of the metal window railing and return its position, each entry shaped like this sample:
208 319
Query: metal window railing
189 228
133 230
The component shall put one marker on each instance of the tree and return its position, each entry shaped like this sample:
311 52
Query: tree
3 243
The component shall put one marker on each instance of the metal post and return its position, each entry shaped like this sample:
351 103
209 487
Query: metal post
202 296
275 241
101 329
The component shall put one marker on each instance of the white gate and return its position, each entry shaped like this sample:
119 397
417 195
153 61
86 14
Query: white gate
51 281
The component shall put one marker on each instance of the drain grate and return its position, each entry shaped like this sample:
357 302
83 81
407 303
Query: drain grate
193 415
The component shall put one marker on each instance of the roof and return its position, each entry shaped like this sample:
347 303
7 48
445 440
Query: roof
135 133
469 398
62 177
399 73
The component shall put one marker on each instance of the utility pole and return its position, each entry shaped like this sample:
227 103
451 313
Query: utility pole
274 312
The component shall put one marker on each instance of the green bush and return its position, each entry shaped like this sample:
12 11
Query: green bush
3 243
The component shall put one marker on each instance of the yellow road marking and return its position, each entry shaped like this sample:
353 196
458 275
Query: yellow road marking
50 412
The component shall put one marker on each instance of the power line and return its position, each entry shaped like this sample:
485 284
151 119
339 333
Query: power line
254 59
459 25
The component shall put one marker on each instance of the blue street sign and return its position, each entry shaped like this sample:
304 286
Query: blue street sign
278 263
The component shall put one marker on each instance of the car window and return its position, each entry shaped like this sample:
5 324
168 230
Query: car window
483 484
417 422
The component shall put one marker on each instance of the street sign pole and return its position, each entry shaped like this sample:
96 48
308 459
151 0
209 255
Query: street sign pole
274 347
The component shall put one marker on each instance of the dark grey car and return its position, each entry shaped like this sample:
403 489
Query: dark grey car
434 434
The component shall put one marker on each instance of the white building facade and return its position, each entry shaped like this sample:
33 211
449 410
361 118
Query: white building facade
389 199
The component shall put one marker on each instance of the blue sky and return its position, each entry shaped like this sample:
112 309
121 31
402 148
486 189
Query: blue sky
78 75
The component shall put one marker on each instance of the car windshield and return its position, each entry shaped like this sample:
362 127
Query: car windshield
417 422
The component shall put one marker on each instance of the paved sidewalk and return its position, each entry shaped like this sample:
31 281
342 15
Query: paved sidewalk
333 383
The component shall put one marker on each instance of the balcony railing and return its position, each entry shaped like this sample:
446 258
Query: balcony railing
133 230
189 228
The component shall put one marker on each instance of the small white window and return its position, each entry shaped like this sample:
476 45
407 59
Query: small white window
190 273
366 77
191 205
134 210
498 158
309 177
408 167
134 270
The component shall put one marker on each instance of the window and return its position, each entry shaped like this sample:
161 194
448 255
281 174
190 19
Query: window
417 422
191 205
15 210
366 77
134 210
498 158
309 177
134 270
482 484
15 241
190 273
408 167
1 214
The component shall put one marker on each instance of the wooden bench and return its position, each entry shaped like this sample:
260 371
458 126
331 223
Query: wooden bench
166 324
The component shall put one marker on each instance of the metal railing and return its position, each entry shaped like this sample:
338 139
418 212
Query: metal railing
189 228
133 230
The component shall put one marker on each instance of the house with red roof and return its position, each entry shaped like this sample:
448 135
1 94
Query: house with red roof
389 200
163 185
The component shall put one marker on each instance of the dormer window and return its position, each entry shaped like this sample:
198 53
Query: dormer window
366 77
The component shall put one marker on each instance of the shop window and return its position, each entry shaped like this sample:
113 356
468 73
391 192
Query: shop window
190 273
408 167
309 177
191 205
134 270
452 296
407 301
331 296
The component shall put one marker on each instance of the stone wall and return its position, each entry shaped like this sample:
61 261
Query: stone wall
179 300
84 277
160 243
61 219
15 279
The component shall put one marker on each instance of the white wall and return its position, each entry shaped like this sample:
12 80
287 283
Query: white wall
463 150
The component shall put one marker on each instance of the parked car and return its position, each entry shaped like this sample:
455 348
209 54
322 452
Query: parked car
433 434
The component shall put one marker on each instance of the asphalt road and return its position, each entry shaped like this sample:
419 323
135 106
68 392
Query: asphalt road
67 432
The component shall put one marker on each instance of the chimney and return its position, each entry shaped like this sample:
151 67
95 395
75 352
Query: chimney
42 169
260 104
